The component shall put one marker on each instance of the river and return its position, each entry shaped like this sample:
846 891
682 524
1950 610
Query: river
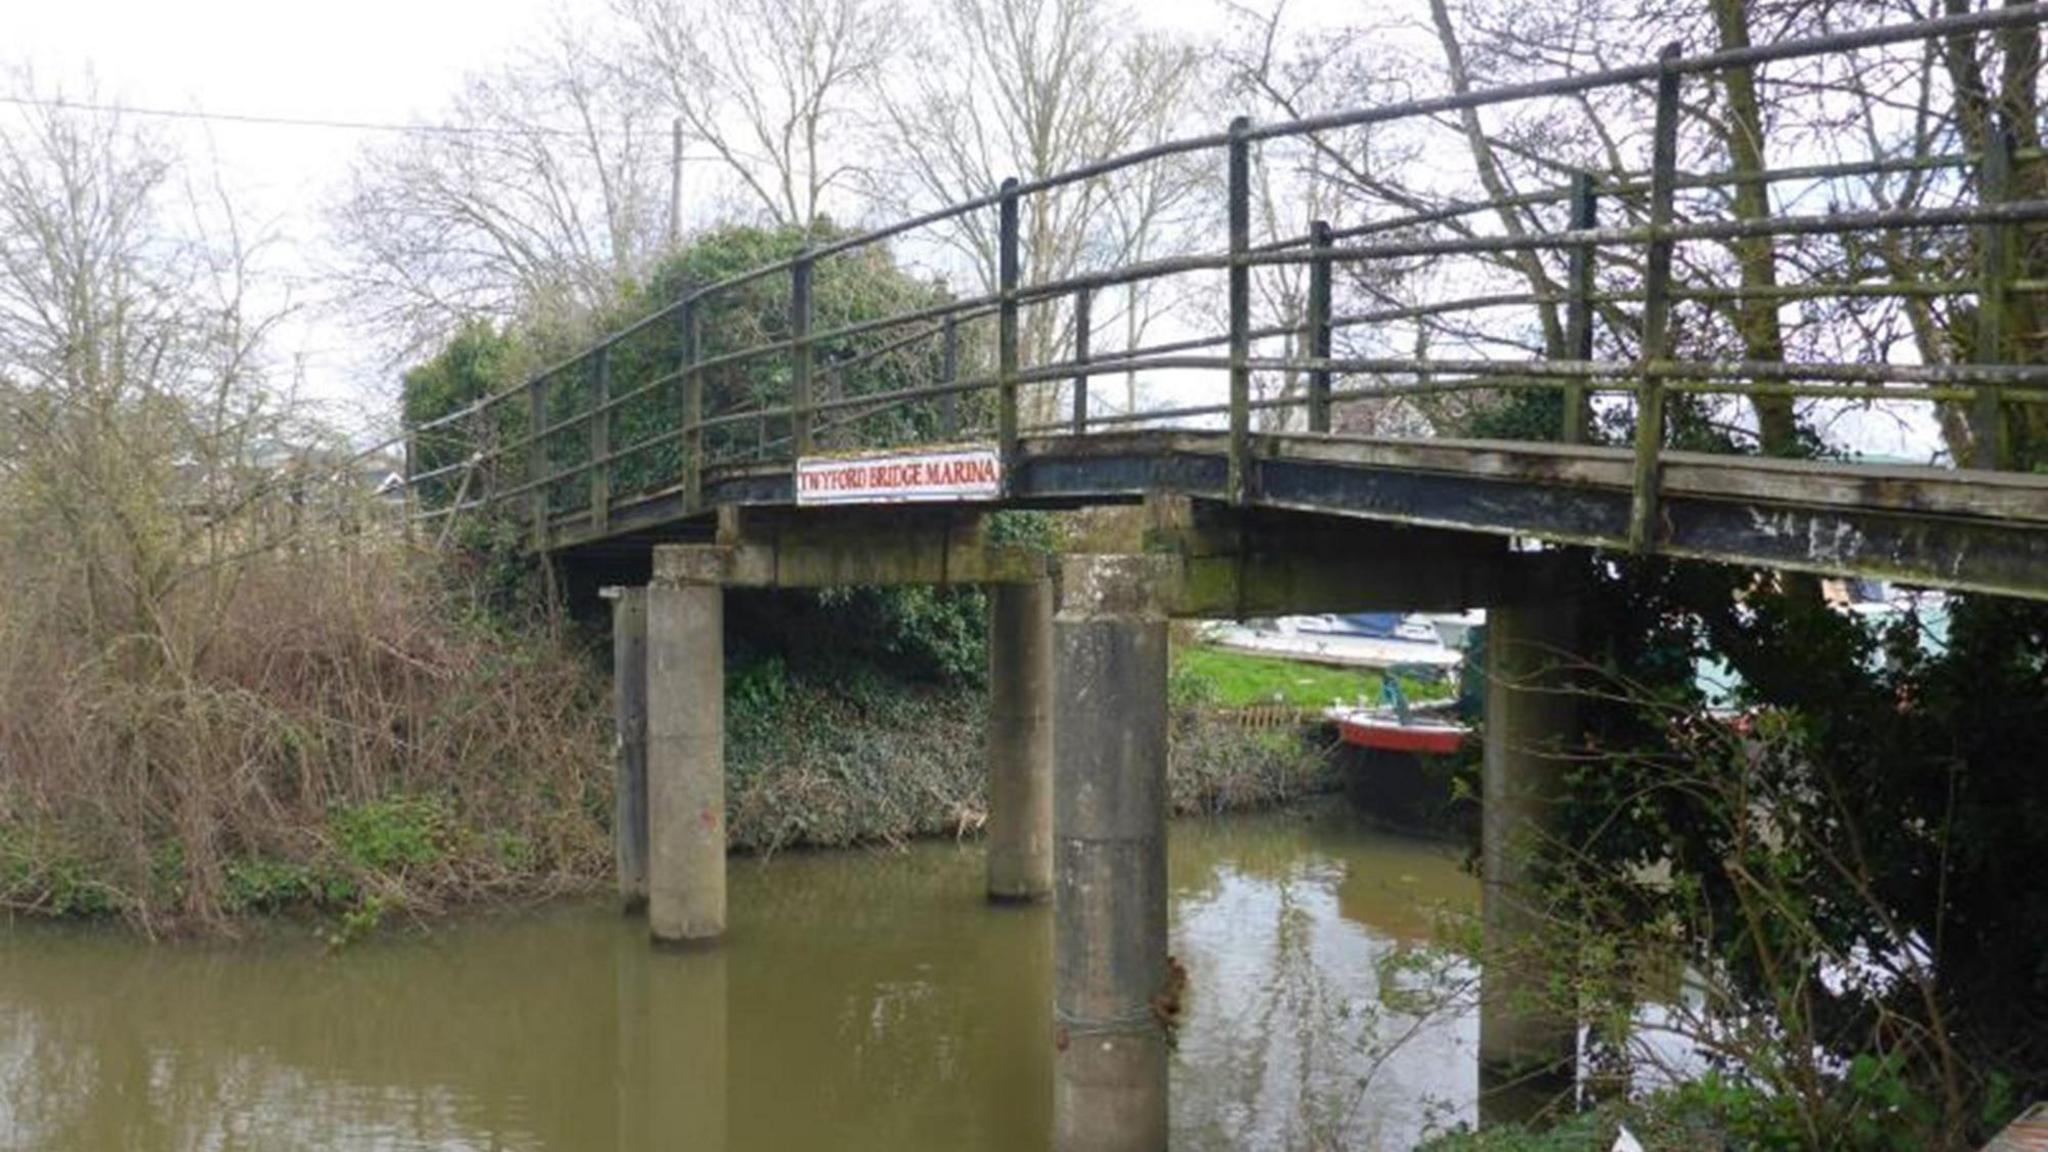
862 1000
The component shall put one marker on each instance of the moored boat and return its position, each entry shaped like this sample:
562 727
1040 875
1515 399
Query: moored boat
1386 730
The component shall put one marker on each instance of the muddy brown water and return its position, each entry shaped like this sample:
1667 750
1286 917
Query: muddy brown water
862 1000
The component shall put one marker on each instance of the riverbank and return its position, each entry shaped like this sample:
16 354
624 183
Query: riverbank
429 761
341 732
824 763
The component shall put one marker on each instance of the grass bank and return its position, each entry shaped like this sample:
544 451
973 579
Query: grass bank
1242 680
850 756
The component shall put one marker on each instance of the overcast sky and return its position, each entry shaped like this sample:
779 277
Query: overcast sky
380 61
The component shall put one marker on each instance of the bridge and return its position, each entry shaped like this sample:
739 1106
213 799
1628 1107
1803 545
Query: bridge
690 452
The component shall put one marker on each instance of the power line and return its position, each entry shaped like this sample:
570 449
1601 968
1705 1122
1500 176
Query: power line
287 121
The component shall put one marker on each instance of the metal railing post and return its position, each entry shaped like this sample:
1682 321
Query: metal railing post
482 433
835 389
1319 333
537 457
1578 319
693 407
1990 437
1007 269
1081 326
601 441
1240 307
800 356
949 370
407 498
1656 306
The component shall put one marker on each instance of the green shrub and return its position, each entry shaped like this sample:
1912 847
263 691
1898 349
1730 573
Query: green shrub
262 884
391 835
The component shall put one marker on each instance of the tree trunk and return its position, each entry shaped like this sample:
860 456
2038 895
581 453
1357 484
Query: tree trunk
1756 320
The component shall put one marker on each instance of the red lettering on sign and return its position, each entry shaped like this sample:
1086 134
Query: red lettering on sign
948 476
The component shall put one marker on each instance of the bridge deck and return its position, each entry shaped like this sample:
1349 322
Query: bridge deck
1933 526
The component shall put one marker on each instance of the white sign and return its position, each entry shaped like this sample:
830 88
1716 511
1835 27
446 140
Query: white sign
974 473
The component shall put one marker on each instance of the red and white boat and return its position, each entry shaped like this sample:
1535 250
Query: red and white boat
1397 730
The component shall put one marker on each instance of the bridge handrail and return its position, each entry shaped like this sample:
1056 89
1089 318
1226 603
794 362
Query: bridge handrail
1319 249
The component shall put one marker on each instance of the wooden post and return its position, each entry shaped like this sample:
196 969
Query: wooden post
1081 325
1578 320
537 458
1990 438
693 408
601 441
1007 266
1319 325
1240 307
629 742
1656 306
949 370
800 357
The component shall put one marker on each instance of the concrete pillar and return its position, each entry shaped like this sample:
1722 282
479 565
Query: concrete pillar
1525 1035
1020 742
686 758
629 743
1109 836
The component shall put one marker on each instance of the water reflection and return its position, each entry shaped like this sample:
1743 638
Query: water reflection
1302 1032
861 1001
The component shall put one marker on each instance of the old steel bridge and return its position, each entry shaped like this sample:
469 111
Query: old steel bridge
669 453
648 431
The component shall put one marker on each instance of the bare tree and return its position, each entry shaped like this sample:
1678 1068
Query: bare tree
1031 89
1910 103
543 195
771 87
1281 73
140 421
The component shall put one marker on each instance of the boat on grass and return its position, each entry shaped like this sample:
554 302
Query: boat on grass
1384 730
1395 725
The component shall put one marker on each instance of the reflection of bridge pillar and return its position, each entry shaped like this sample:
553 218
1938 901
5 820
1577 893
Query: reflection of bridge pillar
1109 834
688 1069
1526 1037
1020 741
686 748
629 709
633 1089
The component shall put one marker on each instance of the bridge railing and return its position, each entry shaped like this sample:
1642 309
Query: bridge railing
652 410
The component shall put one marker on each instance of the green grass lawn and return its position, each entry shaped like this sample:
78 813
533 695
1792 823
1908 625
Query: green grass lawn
1238 679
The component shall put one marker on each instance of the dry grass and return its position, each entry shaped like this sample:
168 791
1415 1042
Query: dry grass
328 726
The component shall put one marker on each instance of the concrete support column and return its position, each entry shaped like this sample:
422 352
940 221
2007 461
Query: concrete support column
1109 835
1525 1035
1020 741
629 744
686 751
